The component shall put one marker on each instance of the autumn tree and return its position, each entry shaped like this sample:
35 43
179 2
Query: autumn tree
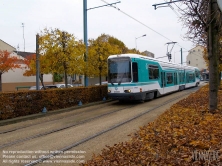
99 50
121 46
29 62
30 68
63 51
7 62
203 20
117 43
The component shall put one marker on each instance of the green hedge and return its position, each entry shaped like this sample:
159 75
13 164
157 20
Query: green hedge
31 102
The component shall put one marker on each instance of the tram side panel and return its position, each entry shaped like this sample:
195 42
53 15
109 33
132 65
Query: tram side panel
150 79
150 74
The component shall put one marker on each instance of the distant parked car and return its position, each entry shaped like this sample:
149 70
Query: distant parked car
102 83
34 87
49 86
76 85
63 85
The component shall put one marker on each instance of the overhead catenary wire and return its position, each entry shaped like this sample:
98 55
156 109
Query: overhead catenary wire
137 21
144 24
173 9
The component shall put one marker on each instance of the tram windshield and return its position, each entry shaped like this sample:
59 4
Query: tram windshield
119 70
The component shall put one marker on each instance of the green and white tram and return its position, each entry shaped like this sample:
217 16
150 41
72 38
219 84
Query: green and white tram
137 77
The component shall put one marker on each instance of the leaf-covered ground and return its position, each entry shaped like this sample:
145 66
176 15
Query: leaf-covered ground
186 134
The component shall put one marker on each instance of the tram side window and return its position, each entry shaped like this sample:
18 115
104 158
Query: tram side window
169 78
180 77
135 72
192 78
187 78
197 73
153 72
175 78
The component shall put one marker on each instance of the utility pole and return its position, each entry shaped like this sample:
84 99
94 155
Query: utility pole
37 62
86 32
65 62
181 51
85 37
166 3
213 39
23 26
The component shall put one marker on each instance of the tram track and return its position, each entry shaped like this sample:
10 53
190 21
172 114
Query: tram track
66 148
56 119
63 128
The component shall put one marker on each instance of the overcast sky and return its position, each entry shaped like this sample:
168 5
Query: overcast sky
68 15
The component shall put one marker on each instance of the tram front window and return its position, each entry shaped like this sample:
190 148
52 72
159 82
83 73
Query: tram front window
119 70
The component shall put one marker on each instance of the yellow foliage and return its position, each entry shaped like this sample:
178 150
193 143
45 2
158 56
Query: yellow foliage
98 52
62 52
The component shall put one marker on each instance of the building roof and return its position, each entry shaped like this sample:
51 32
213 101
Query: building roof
24 54
7 44
195 47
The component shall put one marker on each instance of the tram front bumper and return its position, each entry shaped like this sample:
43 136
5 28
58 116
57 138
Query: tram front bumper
127 96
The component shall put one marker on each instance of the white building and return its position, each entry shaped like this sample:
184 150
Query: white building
149 54
14 78
195 58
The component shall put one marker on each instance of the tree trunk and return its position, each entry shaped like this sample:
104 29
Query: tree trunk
213 48
66 79
100 75
65 74
64 63
41 79
0 82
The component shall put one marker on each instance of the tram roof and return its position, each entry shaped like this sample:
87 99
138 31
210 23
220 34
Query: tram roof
153 59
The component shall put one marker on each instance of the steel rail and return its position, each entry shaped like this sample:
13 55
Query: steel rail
62 128
34 162
23 127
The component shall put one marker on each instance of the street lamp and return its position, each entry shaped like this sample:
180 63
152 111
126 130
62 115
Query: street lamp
138 38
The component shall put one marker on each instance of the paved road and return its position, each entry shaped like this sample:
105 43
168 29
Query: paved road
43 136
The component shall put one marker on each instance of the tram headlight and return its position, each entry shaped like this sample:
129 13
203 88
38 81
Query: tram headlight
127 91
109 91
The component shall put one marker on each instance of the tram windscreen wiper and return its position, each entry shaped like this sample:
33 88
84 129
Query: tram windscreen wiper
121 79
111 77
111 81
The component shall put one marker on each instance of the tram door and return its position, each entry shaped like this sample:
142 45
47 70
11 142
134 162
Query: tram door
163 80
175 81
